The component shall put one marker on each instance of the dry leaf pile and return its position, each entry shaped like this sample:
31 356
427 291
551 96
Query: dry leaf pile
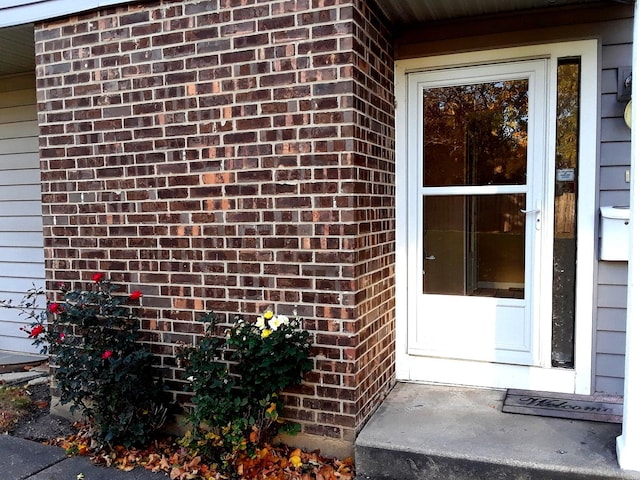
269 462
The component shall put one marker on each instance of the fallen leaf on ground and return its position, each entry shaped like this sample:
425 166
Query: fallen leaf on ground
165 455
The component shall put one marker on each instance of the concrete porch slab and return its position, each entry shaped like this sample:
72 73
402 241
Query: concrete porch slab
443 432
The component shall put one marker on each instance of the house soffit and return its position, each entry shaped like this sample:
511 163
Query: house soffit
17 54
411 12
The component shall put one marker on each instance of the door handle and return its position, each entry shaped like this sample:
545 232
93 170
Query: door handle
430 257
536 211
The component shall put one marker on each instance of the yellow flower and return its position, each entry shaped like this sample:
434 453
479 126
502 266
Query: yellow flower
268 314
295 458
266 332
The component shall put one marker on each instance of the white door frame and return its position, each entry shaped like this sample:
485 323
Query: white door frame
578 380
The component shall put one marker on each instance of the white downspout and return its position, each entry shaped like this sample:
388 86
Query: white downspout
628 444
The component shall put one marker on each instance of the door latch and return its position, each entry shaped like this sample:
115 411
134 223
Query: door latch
536 211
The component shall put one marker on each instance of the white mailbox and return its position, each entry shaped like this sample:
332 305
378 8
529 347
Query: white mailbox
614 232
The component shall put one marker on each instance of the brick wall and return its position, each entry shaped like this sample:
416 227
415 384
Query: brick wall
230 155
375 210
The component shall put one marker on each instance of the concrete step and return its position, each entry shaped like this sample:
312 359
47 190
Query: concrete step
18 378
454 433
19 362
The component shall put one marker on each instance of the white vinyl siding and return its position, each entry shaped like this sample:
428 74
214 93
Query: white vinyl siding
21 240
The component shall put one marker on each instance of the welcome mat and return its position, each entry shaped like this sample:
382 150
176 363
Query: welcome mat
561 405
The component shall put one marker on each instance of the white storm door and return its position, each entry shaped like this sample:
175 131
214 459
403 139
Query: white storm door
476 166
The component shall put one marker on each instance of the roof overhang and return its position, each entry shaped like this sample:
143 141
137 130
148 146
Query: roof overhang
412 12
19 12
17 18
17 54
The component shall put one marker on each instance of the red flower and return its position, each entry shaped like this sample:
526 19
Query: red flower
135 295
97 277
37 330
55 307
107 354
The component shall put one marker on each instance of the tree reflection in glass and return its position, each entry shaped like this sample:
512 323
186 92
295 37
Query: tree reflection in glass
475 135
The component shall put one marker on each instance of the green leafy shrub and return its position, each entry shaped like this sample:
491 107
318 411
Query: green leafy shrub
101 368
236 381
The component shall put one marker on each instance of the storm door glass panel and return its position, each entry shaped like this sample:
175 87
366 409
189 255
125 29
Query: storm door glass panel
474 245
475 141
565 202
476 134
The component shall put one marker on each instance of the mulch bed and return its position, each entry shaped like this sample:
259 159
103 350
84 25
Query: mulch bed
165 455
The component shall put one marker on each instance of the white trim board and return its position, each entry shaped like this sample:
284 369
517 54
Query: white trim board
628 444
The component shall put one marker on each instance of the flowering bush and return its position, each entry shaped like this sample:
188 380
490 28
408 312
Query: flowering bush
236 405
101 368
272 354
